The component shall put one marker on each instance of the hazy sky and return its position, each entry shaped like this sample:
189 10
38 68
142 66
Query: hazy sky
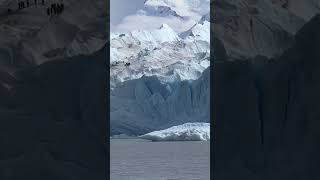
122 8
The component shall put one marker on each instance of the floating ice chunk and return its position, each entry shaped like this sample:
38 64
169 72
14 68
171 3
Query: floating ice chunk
184 132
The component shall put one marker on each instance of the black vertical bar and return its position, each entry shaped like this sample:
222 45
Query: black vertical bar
107 95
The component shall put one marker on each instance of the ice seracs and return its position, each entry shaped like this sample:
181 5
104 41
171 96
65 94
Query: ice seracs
184 132
160 52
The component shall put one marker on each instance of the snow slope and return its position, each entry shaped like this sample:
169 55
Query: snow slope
184 132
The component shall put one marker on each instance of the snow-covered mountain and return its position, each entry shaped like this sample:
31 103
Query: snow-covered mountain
184 132
178 14
189 8
161 52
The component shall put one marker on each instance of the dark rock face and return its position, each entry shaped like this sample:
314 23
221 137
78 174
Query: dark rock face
52 122
266 120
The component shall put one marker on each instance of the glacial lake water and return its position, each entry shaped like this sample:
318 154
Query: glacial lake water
137 159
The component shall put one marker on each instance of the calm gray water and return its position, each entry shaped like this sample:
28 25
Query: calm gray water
134 159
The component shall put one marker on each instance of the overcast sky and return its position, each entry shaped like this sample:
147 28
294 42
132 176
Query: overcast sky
122 8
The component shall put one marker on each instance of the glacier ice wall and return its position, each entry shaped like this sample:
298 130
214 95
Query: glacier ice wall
143 105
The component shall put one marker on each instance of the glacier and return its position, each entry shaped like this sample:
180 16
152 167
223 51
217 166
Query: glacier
144 105
159 77
184 132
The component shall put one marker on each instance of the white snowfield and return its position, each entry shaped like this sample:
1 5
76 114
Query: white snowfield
184 132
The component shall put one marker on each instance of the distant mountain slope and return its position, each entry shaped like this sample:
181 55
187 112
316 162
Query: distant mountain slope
182 7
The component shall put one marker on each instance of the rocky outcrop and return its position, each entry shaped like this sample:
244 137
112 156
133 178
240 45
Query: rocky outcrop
266 113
